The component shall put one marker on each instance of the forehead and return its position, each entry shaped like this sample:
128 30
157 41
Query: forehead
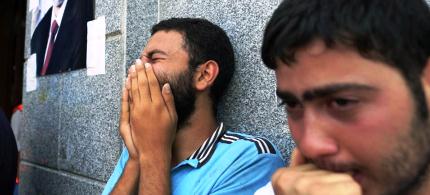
316 66
169 42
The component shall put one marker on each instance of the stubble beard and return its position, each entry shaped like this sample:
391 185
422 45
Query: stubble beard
406 169
183 92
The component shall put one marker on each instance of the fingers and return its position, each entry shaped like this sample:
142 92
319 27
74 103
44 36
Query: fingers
313 181
143 86
128 88
134 85
329 183
154 86
329 177
125 110
307 169
341 187
297 158
144 91
169 101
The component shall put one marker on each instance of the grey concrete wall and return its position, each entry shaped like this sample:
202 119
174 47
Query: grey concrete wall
71 141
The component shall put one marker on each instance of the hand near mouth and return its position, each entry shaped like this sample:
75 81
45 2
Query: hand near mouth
301 178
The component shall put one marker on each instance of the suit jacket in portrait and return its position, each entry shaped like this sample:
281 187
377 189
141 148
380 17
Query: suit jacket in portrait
69 51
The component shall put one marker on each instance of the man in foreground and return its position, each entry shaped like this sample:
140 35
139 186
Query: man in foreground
174 143
354 76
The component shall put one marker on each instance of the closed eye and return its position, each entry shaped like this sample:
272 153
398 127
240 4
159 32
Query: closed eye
153 60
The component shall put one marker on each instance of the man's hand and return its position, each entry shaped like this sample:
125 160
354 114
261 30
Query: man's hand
153 114
300 178
124 125
128 182
153 128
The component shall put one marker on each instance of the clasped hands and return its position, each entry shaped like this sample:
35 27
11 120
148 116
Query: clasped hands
148 117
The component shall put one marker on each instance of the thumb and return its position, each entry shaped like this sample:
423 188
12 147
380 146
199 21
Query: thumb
169 101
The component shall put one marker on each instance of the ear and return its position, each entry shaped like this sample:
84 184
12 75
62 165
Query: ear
205 75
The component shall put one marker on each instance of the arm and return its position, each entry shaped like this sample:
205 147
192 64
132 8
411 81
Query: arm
128 181
155 174
153 121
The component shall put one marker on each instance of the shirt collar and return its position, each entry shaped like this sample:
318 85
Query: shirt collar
59 17
205 151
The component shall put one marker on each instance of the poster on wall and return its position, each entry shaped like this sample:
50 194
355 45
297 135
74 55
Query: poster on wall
59 34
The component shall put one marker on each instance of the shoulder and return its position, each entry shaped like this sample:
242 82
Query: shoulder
247 163
259 145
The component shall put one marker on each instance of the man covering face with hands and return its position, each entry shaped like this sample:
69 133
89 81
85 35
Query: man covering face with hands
174 144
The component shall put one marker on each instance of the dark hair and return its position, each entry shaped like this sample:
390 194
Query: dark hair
395 32
204 41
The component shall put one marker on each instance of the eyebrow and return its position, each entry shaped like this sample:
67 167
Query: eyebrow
286 96
154 51
324 91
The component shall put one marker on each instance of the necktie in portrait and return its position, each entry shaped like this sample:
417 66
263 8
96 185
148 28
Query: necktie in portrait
54 29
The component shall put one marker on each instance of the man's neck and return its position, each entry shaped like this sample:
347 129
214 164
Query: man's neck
56 11
198 128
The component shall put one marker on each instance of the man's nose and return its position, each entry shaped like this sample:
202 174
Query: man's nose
317 137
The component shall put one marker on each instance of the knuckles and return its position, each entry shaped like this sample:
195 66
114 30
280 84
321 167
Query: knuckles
291 181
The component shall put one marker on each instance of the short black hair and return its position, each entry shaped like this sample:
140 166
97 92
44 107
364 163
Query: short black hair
395 32
204 41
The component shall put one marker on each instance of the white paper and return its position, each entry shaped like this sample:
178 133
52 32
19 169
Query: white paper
31 80
96 46
33 4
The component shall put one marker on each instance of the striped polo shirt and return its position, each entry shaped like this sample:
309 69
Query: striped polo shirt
226 163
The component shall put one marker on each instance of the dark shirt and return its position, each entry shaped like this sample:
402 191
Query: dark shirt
8 156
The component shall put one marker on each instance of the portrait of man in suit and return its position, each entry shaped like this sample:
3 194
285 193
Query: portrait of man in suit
60 38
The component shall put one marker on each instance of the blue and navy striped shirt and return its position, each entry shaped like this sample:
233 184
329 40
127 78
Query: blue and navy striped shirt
226 163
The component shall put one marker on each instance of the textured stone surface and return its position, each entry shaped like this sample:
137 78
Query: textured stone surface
88 141
27 32
41 122
140 17
39 180
250 104
113 10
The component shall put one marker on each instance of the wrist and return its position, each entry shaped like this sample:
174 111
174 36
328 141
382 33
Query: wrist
157 158
152 152
132 164
133 161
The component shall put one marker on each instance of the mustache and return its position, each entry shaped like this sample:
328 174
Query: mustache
335 166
